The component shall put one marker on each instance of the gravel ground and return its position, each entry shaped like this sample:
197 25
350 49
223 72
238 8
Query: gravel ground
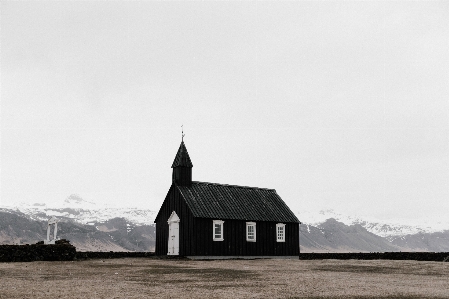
154 278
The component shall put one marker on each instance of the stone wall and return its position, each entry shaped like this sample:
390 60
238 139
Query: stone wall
61 251
417 256
64 251
110 255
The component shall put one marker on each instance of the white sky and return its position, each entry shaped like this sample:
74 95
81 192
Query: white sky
340 105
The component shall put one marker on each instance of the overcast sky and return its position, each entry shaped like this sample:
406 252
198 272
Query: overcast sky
340 105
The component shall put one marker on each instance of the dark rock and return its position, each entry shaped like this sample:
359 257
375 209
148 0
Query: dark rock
63 251
417 256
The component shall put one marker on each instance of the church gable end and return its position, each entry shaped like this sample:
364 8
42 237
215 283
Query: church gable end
174 205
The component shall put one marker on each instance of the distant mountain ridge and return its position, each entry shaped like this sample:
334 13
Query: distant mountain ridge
330 231
88 226
116 234
91 227
388 229
74 208
334 236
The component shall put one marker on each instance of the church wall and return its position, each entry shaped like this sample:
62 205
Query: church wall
235 244
174 202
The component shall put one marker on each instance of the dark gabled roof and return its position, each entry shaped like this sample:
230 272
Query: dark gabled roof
209 200
182 157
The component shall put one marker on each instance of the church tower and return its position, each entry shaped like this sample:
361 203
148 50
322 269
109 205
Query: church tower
182 167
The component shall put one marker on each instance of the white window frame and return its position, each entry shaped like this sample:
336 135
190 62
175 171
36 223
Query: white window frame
251 224
218 222
280 238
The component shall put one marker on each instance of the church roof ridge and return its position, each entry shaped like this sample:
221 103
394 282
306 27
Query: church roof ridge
235 186
220 201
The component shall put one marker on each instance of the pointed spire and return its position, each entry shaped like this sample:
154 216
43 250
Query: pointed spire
182 165
182 157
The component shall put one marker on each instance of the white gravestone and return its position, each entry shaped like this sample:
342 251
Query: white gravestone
54 221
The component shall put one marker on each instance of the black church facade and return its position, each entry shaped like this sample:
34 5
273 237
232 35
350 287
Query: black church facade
206 220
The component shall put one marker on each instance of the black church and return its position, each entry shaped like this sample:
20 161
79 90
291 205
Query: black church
208 220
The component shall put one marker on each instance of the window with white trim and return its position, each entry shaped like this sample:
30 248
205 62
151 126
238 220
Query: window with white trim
280 232
218 230
251 231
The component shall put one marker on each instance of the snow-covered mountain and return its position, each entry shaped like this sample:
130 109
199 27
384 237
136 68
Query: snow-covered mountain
331 231
390 229
88 226
91 226
334 236
116 234
76 209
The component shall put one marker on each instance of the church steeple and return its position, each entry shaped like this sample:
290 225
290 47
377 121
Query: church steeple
182 167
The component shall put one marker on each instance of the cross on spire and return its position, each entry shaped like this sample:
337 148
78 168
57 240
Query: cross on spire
182 133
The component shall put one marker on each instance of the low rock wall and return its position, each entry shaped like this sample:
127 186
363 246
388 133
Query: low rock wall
64 251
61 251
110 255
37 252
417 256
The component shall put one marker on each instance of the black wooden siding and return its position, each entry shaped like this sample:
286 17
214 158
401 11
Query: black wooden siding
174 202
235 244
196 234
